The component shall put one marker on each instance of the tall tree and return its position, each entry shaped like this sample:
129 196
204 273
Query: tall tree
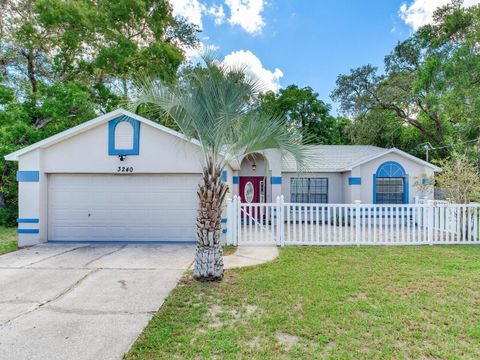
102 41
215 108
304 110
429 82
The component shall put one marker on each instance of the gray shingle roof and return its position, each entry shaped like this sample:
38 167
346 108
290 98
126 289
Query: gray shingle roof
335 157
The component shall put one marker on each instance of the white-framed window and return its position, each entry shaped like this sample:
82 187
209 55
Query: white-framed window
309 190
390 190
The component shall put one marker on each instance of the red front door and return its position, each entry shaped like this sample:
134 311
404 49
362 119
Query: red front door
252 189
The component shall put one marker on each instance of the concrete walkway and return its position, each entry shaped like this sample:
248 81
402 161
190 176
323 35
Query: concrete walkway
83 302
250 256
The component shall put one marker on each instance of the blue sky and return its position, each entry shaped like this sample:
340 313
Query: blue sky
308 43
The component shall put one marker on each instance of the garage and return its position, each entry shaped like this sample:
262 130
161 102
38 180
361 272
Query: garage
106 207
118 177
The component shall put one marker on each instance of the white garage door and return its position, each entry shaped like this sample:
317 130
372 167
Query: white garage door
122 207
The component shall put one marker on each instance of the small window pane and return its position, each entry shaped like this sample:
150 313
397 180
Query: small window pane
309 190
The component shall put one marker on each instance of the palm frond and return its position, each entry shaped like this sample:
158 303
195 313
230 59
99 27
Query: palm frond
213 105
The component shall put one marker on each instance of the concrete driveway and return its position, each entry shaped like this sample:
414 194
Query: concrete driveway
83 301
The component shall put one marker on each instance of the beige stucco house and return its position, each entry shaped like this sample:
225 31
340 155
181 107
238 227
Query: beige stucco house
121 177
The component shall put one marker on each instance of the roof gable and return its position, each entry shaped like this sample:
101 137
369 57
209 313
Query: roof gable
88 125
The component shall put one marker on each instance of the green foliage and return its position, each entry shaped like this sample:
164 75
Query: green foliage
430 87
459 177
304 110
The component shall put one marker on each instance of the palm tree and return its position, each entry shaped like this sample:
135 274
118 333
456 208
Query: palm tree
213 104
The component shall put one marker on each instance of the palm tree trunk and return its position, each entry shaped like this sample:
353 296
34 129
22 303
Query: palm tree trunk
211 193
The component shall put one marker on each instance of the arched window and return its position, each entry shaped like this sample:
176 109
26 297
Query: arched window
123 136
390 184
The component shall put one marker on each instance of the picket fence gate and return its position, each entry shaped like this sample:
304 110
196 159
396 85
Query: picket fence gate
281 223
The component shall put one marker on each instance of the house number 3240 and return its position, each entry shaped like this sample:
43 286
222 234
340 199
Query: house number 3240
125 169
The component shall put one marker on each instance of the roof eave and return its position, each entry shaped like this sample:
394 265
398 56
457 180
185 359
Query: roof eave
64 135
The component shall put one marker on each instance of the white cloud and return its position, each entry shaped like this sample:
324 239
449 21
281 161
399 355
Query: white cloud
193 54
189 9
254 69
420 12
217 13
247 14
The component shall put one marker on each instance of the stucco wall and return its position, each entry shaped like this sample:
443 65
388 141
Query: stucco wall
88 152
412 168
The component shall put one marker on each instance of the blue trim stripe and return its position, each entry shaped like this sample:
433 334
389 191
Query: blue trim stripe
28 176
28 231
354 181
112 124
235 180
224 175
276 180
223 221
27 220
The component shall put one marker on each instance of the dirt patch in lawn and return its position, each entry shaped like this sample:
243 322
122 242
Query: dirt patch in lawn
286 340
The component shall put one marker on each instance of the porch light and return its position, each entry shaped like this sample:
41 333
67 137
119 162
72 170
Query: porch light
254 166
122 157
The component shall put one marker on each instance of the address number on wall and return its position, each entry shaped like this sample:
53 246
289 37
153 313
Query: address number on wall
125 169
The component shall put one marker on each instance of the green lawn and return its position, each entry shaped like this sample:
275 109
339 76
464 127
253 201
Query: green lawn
327 302
8 239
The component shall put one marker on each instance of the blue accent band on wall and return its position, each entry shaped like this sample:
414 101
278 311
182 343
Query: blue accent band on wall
235 180
112 124
26 220
354 181
223 221
224 175
28 231
276 180
28 176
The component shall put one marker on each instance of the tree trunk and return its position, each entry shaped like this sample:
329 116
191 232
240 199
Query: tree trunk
31 72
211 193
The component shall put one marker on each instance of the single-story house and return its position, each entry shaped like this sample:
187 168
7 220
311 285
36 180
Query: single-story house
121 177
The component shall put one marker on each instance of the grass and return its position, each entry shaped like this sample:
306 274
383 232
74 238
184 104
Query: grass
229 249
8 239
327 302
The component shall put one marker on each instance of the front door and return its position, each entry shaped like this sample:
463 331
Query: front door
252 189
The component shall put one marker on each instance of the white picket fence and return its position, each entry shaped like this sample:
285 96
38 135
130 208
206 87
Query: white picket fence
283 223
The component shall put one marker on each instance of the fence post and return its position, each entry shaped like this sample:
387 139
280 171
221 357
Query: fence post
282 221
238 214
278 216
230 221
357 222
431 214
